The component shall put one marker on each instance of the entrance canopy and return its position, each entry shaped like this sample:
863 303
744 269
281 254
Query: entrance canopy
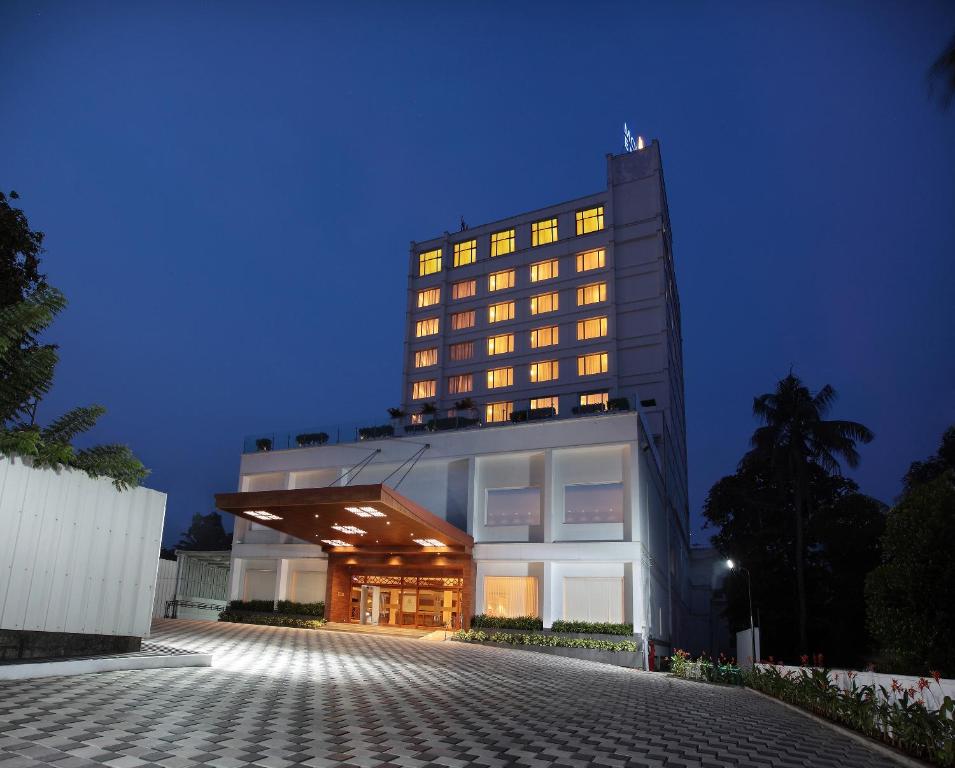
352 518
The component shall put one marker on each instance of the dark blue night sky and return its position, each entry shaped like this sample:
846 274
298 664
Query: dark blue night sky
229 190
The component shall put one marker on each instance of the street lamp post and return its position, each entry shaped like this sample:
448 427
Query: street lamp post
749 593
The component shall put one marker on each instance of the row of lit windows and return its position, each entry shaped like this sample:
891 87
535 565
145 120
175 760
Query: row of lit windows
502 243
503 343
496 281
496 412
539 372
505 310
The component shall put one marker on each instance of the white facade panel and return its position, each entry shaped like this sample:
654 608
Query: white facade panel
76 555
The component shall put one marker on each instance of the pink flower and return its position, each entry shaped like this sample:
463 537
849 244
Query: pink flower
896 686
804 660
936 675
923 683
852 675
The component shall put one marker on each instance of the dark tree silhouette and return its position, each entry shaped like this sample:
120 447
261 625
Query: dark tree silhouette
206 534
942 72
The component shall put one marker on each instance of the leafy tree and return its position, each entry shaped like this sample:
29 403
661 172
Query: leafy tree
206 534
943 71
753 510
909 596
27 307
795 438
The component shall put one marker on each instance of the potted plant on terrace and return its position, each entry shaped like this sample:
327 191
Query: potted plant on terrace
309 439
396 416
430 410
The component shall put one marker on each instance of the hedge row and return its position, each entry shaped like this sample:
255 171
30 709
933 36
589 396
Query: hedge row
504 622
271 621
286 607
547 641
592 627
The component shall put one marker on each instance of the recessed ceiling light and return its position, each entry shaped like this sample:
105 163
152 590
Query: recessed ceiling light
335 543
349 529
261 514
429 542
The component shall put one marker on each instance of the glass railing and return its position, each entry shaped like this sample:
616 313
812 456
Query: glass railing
372 429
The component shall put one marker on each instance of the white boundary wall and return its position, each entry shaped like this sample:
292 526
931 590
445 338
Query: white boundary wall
76 555
165 587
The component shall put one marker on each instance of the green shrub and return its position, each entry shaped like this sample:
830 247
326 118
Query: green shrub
722 670
898 716
272 621
286 607
592 627
546 641
507 622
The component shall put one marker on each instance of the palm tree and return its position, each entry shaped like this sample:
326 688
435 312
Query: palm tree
795 436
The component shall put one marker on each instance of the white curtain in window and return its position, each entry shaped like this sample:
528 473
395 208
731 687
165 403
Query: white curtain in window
593 599
510 595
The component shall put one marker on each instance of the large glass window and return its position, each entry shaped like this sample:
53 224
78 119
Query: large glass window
429 297
544 270
593 503
594 398
591 294
498 312
463 288
502 242
461 320
420 389
544 337
543 232
594 259
511 596
500 377
588 365
546 302
548 370
593 599
546 402
497 281
591 328
513 506
499 345
460 384
462 351
465 253
429 262
425 357
590 220
497 412
426 327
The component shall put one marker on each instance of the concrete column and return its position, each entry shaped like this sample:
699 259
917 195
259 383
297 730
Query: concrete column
236 578
547 497
549 611
281 582
631 492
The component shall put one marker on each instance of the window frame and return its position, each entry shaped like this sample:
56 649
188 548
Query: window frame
512 309
423 260
488 411
494 277
601 285
457 251
510 344
509 239
416 384
602 327
457 377
555 336
461 345
423 320
534 371
580 259
534 270
535 303
581 218
436 289
604 360
491 377
463 313
418 352
471 282
536 229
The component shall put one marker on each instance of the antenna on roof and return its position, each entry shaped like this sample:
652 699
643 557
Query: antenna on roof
464 224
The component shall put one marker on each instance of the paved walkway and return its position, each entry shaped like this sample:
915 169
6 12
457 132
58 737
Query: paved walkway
277 698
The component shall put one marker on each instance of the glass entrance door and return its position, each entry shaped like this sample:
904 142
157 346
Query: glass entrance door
424 602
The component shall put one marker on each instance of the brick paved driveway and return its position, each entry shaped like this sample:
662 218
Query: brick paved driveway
277 698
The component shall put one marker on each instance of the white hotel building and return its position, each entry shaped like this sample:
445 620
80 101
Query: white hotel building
557 488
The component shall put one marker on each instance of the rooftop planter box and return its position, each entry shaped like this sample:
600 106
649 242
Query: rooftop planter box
533 414
263 444
412 429
454 422
371 433
583 410
618 404
310 439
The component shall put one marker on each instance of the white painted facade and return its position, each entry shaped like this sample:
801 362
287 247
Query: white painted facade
632 570
76 555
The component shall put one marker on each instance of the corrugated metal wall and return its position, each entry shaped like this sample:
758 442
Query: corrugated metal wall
76 555
200 581
165 587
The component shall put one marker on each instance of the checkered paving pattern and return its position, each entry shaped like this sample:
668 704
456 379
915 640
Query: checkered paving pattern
280 698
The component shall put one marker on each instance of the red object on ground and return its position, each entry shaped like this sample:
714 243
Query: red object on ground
651 662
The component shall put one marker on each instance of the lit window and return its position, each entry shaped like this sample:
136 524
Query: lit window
544 337
497 281
417 418
500 377
543 270
513 506
591 260
463 289
461 320
591 328
425 357
546 302
462 351
429 262
420 389
465 253
590 220
459 384
545 402
502 242
427 327
593 503
498 412
591 294
499 345
498 312
588 365
429 297
594 398
543 232
511 596
545 371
